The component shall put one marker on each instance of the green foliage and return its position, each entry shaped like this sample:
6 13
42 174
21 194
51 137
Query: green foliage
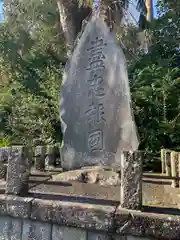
4 142
32 47
30 76
155 86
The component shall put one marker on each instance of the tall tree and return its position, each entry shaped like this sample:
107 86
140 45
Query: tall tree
150 11
72 13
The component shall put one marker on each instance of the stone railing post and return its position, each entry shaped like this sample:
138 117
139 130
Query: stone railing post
179 166
58 153
50 159
163 170
18 171
168 162
131 180
40 154
4 155
174 168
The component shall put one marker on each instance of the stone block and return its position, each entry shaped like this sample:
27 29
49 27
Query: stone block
99 236
135 238
84 216
18 171
50 158
131 180
175 168
120 237
65 233
40 155
4 154
18 207
42 210
3 209
147 225
168 162
163 169
10 228
5 224
3 170
36 231
15 230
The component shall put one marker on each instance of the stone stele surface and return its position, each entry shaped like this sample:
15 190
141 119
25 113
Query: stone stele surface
95 107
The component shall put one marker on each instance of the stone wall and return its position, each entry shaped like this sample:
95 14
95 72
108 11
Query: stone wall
24 218
28 218
18 229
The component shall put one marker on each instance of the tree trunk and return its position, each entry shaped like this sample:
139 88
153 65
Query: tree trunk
150 14
71 17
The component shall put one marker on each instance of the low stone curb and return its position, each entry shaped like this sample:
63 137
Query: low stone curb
145 224
93 217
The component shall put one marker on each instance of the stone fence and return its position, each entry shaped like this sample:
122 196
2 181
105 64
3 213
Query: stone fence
170 161
23 217
41 157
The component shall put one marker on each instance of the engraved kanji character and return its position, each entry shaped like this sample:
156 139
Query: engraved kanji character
96 86
95 141
100 113
91 113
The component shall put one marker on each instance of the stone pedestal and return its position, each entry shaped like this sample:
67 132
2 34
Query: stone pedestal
18 171
40 154
131 180
51 158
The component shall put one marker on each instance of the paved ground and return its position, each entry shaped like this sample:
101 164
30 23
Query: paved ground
158 195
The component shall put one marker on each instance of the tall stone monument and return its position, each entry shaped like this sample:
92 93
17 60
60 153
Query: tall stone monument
95 107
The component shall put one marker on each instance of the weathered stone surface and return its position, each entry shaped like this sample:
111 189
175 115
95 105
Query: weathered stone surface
3 202
163 169
64 233
134 238
74 214
168 162
93 218
50 158
42 210
15 230
99 236
40 154
18 207
120 237
18 171
131 180
4 154
95 107
5 223
98 175
147 225
84 215
3 170
35 230
130 238
10 228
175 168
30 153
